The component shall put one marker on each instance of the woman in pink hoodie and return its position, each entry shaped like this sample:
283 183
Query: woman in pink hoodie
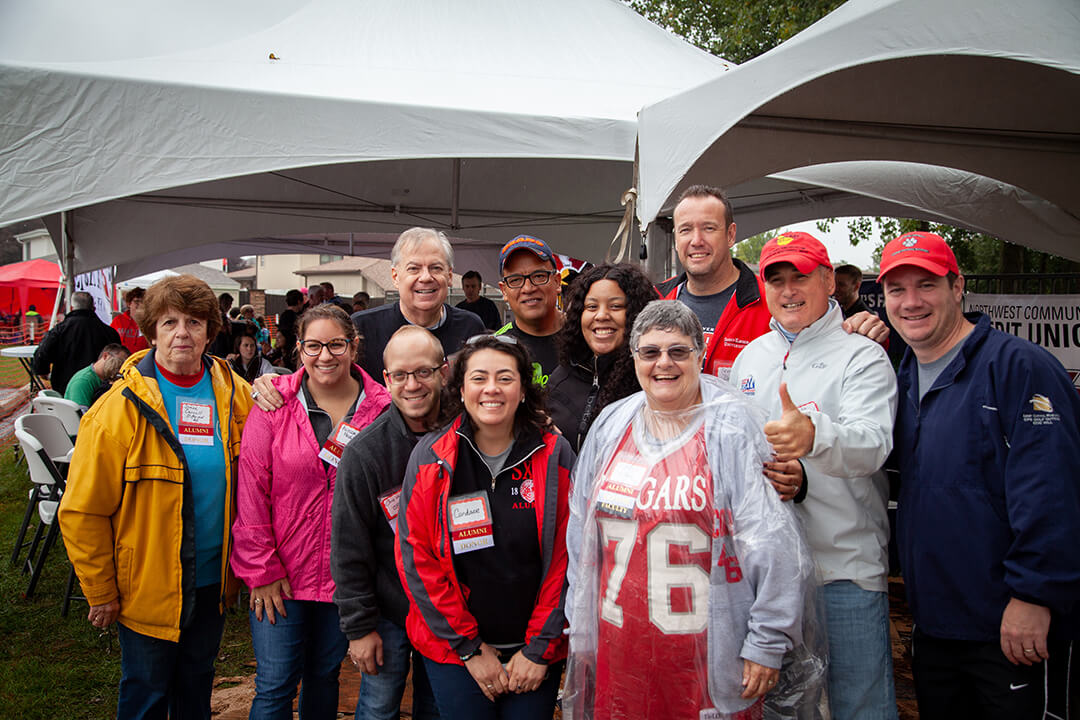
288 463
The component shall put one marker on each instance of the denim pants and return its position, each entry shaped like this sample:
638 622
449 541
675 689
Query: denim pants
305 645
860 653
380 695
160 678
460 698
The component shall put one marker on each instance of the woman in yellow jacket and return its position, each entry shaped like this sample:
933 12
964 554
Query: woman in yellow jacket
148 506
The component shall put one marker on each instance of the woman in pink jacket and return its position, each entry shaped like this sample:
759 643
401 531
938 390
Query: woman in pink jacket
288 463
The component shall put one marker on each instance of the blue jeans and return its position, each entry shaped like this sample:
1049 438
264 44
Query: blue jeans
460 698
306 645
860 653
161 677
380 695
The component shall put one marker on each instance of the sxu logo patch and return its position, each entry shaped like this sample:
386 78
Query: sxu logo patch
526 490
747 386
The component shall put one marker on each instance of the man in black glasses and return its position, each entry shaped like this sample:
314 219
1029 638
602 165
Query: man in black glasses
831 399
371 602
530 285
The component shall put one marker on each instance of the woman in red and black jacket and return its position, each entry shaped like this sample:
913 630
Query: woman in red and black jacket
482 541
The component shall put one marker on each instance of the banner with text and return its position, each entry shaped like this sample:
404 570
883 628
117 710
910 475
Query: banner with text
99 284
1052 321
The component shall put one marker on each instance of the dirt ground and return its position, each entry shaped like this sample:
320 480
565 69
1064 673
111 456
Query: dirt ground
232 696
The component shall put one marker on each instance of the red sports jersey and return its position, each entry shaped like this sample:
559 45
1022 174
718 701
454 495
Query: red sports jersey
656 522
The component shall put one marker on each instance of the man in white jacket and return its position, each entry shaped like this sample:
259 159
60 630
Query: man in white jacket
831 399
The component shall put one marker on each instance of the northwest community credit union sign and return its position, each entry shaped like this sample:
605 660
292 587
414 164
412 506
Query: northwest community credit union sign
1052 321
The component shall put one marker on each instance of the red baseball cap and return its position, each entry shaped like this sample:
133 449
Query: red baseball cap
801 249
920 249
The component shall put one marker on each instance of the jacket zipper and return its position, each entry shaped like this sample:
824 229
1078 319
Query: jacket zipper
233 480
441 526
523 459
589 403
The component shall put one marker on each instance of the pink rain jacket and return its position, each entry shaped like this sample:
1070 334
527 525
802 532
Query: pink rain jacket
282 526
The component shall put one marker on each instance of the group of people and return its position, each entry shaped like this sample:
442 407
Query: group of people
668 499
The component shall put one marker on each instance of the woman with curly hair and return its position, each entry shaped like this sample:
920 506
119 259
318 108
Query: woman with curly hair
481 541
595 364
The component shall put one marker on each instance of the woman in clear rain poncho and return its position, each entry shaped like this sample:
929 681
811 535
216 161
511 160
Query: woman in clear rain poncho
689 579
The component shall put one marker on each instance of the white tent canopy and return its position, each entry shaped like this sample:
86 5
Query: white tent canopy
899 189
966 109
174 131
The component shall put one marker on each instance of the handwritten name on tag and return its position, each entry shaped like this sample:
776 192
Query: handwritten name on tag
196 425
332 451
470 523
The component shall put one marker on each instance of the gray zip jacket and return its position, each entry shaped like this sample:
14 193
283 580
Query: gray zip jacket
846 386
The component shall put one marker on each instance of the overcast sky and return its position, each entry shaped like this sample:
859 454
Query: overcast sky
836 240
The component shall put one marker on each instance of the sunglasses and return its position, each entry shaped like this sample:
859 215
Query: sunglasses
506 339
677 353
537 278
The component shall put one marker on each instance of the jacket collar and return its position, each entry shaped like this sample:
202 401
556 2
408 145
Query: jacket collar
521 448
832 319
969 346
747 290
587 367
142 367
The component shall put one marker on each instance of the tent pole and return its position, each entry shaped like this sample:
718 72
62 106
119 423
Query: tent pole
455 193
69 258
64 267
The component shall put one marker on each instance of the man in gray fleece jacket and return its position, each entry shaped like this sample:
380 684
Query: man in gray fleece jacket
369 596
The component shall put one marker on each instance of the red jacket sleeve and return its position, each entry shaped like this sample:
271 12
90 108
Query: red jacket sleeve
437 607
544 634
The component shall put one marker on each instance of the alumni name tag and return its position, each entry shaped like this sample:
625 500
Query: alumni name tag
196 426
470 522
335 444
619 490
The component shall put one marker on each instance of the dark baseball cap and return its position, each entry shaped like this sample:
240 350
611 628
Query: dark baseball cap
526 242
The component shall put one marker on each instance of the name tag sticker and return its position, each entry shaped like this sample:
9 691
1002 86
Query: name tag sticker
390 502
335 444
470 522
196 426
619 490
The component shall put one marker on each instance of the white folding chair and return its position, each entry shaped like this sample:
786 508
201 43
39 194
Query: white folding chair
68 411
48 392
49 432
33 431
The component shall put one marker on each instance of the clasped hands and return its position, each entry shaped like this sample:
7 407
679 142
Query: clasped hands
521 675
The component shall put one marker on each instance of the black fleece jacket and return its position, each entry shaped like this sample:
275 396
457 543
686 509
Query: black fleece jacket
361 539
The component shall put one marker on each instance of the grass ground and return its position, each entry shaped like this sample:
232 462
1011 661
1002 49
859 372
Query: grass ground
52 666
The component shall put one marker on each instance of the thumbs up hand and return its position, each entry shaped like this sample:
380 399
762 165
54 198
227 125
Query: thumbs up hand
792 436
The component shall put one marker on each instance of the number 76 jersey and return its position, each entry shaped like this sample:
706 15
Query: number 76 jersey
656 525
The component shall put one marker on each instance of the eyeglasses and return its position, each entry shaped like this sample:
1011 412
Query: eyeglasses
313 348
399 377
506 339
537 278
677 353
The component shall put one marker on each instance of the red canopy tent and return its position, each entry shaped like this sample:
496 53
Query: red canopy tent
34 282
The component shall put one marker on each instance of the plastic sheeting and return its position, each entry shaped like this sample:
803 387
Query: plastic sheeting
684 564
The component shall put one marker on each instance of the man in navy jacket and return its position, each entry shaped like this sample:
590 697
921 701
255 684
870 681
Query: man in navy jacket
988 444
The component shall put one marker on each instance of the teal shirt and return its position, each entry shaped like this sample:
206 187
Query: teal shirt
206 464
81 386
